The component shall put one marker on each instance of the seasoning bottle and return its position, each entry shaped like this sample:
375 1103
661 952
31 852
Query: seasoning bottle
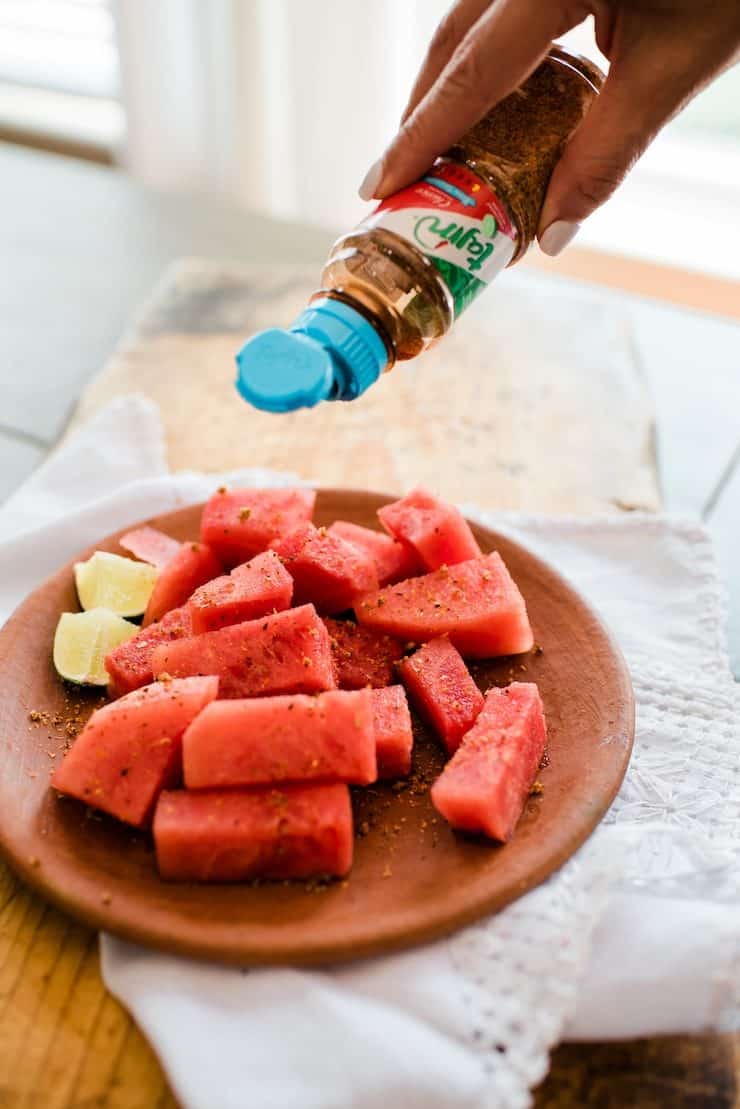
395 284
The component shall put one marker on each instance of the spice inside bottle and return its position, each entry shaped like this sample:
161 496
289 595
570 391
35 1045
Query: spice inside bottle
395 284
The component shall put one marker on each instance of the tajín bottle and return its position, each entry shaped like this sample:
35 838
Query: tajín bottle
396 284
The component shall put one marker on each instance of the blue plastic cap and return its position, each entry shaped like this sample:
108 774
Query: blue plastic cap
330 353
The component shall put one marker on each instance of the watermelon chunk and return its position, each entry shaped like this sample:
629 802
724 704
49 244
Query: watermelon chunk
485 785
437 532
475 603
394 561
362 656
193 565
285 653
129 665
442 690
150 545
328 737
394 738
240 523
130 749
226 835
254 589
327 571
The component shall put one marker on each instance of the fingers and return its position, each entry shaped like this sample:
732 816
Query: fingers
448 36
635 102
496 54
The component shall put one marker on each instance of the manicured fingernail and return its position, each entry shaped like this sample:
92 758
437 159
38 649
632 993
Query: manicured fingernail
557 236
372 180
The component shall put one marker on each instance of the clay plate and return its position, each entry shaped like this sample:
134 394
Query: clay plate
413 878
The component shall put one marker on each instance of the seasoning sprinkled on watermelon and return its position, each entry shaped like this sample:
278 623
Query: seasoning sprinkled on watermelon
326 570
328 737
394 737
442 690
362 656
192 566
485 785
240 523
435 531
285 653
130 749
296 831
255 589
129 665
394 561
475 603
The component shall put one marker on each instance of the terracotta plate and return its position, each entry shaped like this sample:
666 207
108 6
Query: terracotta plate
413 879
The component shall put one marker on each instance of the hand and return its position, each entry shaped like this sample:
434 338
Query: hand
662 52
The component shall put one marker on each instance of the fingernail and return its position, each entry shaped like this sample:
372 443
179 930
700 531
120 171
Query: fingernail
372 180
557 236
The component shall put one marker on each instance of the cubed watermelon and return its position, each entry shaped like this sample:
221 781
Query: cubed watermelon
475 603
193 565
230 835
150 545
362 656
394 561
254 589
130 749
327 571
240 523
394 738
285 653
437 532
129 665
328 737
442 690
485 785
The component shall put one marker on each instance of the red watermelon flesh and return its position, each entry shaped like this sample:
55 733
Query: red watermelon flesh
485 785
130 749
442 690
130 664
362 656
394 738
327 571
438 532
257 588
150 545
329 737
285 653
229 835
193 565
240 523
394 561
475 603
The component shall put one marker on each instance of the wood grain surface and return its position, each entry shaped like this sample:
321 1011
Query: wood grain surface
536 403
64 1042
413 879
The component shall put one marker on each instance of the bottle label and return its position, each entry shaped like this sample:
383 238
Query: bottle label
458 222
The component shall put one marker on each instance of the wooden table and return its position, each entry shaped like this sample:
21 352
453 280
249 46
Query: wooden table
83 245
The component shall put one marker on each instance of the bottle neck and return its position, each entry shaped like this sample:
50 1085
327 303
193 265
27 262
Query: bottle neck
366 311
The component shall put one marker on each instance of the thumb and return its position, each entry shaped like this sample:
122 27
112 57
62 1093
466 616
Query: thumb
622 121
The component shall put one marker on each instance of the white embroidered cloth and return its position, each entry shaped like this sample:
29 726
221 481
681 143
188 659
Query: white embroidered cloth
639 933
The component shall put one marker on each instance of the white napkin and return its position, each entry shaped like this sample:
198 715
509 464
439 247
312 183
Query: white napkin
637 934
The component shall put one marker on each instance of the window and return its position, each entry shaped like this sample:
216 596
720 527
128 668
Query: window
679 205
59 75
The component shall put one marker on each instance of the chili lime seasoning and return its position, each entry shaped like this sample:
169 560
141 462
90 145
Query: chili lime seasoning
396 284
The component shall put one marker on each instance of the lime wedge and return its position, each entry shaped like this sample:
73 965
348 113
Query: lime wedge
116 583
83 639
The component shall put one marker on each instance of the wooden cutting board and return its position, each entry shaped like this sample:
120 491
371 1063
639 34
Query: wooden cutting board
533 401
